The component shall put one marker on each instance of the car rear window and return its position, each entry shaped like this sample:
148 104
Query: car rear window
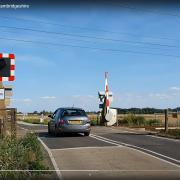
74 112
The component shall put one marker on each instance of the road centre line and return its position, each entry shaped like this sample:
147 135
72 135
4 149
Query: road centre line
137 148
107 141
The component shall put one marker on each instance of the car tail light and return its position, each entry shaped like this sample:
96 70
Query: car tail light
61 122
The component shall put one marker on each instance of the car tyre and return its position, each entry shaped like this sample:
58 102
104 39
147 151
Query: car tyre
56 132
86 133
49 131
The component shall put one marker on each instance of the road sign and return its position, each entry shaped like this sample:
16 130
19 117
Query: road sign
2 94
7 101
100 106
7 67
8 91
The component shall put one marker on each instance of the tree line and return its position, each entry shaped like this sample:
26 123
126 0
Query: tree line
144 110
119 111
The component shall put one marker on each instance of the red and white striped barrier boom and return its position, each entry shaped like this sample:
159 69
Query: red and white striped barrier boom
107 105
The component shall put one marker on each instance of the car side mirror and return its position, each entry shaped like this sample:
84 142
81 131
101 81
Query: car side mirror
50 116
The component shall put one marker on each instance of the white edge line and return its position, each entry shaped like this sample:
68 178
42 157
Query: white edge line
98 170
79 148
58 172
141 148
166 138
117 144
131 147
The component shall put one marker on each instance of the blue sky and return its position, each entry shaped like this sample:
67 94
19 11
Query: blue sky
49 76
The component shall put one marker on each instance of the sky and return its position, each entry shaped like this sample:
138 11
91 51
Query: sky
139 48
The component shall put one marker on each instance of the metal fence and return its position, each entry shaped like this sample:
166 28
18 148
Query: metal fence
8 122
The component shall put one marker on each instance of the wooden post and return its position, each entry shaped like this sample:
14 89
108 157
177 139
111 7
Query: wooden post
2 114
2 102
177 119
166 120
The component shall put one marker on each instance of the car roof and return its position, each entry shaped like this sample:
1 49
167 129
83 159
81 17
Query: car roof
64 108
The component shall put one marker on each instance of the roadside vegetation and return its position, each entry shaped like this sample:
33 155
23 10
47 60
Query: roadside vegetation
172 133
35 121
133 120
21 154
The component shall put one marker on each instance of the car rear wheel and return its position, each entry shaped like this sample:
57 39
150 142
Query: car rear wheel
86 133
56 132
49 131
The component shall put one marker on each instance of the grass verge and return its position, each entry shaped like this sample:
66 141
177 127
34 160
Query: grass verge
21 154
172 133
35 121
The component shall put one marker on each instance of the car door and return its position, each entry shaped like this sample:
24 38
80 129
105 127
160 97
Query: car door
55 119
57 116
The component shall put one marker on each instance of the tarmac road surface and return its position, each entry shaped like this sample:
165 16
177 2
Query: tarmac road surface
112 153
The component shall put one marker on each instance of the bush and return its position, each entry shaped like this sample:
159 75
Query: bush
131 119
152 122
93 122
35 121
172 132
21 154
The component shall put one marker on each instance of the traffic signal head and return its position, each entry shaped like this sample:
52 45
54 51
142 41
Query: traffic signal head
7 67
4 67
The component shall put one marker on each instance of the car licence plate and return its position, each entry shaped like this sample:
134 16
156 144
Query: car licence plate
75 122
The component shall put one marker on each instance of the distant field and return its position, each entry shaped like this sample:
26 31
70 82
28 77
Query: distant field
171 121
94 117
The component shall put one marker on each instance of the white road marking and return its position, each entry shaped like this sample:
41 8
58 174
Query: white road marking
141 150
79 148
118 170
166 138
107 141
96 170
58 172
133 147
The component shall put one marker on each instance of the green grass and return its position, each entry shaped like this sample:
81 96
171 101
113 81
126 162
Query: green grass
35 121
21 154
172 133
94 122
133 120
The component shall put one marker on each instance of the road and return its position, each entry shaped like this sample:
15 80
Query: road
112 153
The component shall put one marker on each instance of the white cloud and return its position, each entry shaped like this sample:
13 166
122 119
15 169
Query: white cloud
48 97
160 95
175 88
91 96
26 100
76 96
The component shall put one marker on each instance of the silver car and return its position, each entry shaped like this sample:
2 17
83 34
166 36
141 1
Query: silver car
69 120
